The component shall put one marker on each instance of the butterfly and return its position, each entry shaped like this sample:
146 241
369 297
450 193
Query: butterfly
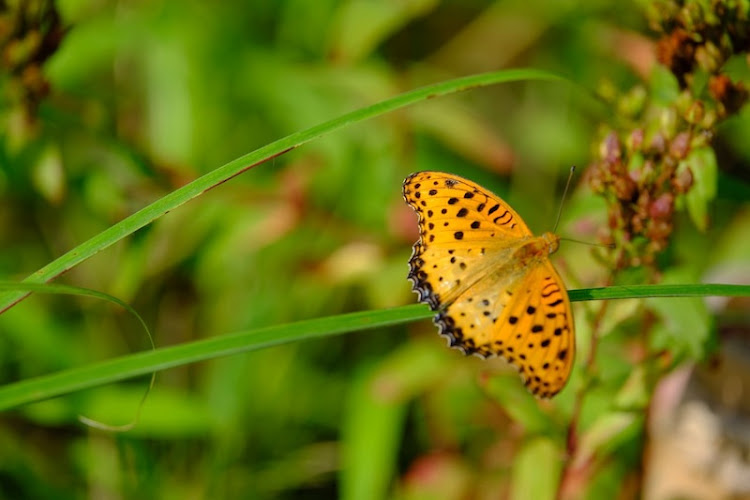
490 279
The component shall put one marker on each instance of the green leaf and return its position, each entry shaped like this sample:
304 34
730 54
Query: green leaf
686 323
410 370
607 433
702 164
664 85
519 403
361 25
536 470
371 432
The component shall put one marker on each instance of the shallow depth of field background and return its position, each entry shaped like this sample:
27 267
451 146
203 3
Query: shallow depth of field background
145 96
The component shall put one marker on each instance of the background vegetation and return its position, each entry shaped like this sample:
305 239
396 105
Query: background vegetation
109 106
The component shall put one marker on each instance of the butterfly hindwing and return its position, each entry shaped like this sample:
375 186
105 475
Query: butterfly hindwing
531 326
538 328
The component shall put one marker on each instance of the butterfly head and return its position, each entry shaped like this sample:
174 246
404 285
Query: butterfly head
537 248
552 242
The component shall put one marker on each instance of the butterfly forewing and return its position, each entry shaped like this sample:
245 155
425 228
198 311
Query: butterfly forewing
458 223
491 299
447 205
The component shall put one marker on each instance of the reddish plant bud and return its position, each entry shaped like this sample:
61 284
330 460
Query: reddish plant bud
662 207
611 150
635 175
677 51
624 188
647 173
682 182
615 218
658 143
658 231
635 141
695 113
596 183
718 86
732 96
636 222
644 200
680 146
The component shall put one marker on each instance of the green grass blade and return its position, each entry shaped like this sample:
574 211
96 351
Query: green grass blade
371 430
646 291
86 292
132 365
186 193
75 290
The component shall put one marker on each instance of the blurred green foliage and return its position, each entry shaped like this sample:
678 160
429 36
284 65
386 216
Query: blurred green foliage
108 106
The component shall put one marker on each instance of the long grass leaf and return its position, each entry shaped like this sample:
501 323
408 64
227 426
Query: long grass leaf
132 365
235 167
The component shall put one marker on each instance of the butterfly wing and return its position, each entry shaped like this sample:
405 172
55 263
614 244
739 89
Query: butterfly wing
488 301
547 345
459 222
435 191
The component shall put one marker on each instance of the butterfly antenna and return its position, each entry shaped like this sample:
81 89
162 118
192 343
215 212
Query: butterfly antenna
610 246
565 193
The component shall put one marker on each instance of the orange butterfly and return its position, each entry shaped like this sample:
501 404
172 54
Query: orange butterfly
490 279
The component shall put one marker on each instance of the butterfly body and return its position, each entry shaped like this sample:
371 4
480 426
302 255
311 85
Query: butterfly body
490 279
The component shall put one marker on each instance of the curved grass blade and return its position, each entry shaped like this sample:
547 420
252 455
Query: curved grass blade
132 365
141 363
86 292
235 167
